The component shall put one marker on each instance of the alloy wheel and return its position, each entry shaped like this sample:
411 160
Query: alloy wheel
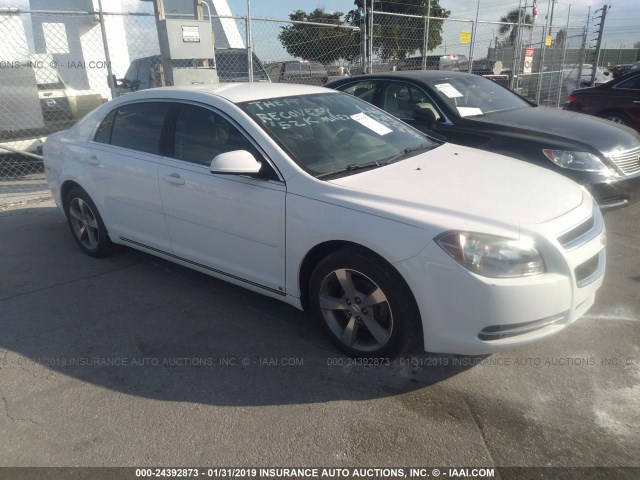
356 310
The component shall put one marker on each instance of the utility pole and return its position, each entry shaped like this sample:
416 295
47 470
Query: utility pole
197 9
598 45
167 66
553 4
583 58
110 78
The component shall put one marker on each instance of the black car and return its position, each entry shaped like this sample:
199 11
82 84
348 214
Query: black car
470 110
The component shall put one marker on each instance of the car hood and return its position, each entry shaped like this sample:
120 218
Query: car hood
456 181
548 123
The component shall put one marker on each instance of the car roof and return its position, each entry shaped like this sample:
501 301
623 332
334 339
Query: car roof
234 92
414 74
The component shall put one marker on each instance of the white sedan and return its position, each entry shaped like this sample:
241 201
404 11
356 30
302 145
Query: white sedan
319 199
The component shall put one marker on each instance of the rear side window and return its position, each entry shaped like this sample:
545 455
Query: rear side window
103 135
631 84
138 126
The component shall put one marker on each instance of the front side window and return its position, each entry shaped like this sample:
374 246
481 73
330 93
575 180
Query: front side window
400 99
331 133
138 126
201 134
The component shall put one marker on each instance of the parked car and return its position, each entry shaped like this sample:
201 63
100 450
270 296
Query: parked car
298 71
231 66
620 70
391 238
473 111
38 102
433 62
617 101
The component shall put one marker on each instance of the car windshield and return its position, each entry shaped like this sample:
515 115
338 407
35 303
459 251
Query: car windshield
473 95
334 133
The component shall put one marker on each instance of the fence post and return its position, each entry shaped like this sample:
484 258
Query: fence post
425 48
564 59
425 44
105 45
515 62
542 51
249 41
370 39
474 27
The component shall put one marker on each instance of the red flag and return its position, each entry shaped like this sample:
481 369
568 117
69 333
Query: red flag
535 10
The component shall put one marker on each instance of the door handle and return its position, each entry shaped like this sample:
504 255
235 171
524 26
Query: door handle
93 160
174 178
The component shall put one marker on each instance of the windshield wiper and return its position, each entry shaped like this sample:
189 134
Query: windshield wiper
352 167
377 163
407 151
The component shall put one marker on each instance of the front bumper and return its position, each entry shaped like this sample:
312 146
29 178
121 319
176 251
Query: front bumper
469 314
616 194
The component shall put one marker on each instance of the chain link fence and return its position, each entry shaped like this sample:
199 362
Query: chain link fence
57 66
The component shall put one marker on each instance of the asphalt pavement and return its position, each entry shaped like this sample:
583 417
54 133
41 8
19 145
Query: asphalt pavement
131 360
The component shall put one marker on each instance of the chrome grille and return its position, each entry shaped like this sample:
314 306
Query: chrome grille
627 161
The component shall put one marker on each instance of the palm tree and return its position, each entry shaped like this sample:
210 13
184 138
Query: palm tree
512 18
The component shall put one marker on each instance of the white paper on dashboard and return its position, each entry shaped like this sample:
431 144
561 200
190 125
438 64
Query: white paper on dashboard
449 90
469 111
371 124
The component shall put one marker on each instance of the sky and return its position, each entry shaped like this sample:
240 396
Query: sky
622 26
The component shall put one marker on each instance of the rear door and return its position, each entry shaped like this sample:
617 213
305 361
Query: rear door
124 164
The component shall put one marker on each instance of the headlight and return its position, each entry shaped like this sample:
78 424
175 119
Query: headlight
583 161
493 256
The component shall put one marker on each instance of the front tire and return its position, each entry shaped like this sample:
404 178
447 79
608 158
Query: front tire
363 304
86 224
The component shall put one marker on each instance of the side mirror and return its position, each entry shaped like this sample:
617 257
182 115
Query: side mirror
236 162
606 73
424 113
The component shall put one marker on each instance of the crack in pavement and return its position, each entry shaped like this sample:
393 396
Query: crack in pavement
16 420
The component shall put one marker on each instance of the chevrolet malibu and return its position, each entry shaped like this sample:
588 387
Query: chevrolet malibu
323 201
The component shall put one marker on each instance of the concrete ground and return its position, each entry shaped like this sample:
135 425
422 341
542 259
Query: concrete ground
131 361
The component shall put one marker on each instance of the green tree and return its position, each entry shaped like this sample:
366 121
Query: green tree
396 37
511 20
320 44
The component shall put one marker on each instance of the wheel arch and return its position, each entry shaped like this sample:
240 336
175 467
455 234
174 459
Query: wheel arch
611 111
321 251
65 188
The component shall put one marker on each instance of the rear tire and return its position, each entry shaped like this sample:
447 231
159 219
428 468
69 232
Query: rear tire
364 305
615 117
86 224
